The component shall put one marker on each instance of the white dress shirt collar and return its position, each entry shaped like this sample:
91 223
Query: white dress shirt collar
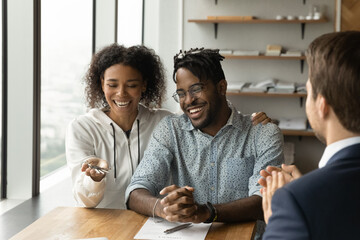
333 148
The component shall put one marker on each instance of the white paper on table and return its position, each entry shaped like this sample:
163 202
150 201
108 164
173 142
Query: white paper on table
155 231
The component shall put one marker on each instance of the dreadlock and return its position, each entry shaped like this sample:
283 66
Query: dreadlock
202 63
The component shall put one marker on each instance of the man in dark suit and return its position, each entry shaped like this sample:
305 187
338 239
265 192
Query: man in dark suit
325 203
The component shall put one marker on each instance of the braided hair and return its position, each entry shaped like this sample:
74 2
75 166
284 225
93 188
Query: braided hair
202 63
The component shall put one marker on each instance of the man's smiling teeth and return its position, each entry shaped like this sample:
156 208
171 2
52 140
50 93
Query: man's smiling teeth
195 110
121 104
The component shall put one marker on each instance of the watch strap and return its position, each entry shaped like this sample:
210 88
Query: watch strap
213 213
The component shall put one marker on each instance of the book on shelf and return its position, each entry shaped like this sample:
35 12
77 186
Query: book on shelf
246 53
236 86
293 123
262 86
301 88
283 87
225 51
280 91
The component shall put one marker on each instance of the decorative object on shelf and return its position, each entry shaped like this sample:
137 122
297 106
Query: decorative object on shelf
236 86
291 17
273 50
293 123
246 53
283 87
270 86
225 51
301 88
258 21
314 12
262 86
292 53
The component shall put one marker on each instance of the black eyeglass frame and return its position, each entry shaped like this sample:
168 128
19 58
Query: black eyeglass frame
194 93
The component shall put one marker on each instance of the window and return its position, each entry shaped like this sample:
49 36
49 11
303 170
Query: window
130 22
1 53
66 45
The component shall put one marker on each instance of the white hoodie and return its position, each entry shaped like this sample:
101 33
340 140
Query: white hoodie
91 135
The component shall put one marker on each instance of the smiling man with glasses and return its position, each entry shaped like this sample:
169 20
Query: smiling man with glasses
212 154
194 91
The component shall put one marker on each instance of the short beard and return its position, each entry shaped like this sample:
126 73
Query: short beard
204 123
210 116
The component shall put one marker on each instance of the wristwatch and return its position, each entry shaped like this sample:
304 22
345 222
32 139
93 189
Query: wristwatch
213 213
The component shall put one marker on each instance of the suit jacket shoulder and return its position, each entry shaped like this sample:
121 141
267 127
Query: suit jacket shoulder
322 204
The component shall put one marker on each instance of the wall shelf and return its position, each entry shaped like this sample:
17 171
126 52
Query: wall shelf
301 58
216 1
263 57
285 132
261 94
301 96
258 21
300 133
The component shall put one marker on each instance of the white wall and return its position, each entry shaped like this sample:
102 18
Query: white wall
105 23
162 33
20 99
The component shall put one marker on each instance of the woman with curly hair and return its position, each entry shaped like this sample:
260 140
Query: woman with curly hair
104 146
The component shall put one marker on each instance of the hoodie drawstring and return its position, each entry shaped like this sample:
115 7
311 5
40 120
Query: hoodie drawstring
113 128
138 128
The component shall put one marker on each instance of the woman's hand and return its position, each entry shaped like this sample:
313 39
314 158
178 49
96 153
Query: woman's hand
96 168
260 117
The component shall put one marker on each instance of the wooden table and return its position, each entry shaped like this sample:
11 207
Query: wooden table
75 223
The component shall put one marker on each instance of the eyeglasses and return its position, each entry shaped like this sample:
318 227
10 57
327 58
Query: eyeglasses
194 91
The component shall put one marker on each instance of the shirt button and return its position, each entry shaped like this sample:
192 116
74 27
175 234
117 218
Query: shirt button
212 164
212 188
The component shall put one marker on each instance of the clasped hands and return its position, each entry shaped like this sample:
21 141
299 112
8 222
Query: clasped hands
272 179
179 205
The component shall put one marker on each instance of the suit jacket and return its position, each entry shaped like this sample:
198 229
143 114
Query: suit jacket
323 204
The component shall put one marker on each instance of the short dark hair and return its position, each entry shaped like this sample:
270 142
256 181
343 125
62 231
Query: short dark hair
202 63
138 57
334 72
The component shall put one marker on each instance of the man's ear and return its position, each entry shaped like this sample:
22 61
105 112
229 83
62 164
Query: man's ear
323 106
222 87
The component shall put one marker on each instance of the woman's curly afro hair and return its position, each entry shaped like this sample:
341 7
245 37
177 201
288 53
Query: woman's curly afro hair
138 57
